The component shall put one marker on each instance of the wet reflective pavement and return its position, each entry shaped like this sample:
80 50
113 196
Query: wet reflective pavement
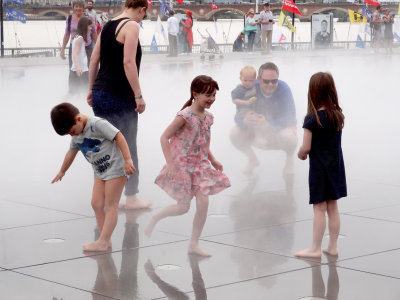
253 228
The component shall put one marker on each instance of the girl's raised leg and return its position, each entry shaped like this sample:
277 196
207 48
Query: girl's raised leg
112 191
319 225
198 224
333 226
169 211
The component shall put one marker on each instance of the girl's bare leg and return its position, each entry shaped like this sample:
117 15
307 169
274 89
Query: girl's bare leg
319 225
169 211
198 224
333 226
112 192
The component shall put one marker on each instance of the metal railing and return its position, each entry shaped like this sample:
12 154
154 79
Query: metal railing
220 49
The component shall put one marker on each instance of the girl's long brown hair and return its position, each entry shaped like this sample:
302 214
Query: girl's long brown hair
82 28
202 84
322 93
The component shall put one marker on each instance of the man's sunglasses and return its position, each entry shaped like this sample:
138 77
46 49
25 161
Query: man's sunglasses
273 81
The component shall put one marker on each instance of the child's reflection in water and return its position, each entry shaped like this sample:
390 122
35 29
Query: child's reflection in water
124 285
174 293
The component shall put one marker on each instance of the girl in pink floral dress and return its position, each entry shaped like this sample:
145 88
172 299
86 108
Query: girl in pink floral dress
188 171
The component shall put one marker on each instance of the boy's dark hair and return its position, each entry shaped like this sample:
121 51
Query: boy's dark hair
63 117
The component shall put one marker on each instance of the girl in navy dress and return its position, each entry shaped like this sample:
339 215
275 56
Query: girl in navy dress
327 179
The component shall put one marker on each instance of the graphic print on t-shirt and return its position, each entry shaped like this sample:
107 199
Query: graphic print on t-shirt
89 145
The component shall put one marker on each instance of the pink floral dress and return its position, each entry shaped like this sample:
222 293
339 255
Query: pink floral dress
189 149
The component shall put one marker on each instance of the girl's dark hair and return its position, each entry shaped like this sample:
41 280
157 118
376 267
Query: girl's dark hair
136 3
63 117
202 84
82 28
322 93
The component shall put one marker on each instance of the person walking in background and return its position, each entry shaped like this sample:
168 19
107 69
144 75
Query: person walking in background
70 31
114 90
187 28
173 29
376 23
79 68
388 20
322 140
238 45
250 30
267 22
188 172
90 11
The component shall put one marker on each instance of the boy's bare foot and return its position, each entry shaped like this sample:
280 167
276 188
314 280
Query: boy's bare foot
133 202
309 253
333 252
149 228
250 167
97 246
196 250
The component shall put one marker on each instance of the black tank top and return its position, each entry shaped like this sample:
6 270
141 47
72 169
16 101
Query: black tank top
111 76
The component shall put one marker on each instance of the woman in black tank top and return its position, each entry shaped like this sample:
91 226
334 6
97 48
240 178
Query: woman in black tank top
114 90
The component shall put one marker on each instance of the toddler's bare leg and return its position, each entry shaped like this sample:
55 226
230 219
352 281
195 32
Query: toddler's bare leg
242 140
288 142
319 225
112 191
198 224
169 211
333 226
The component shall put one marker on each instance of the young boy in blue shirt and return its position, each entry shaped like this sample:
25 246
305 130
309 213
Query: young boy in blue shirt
106 149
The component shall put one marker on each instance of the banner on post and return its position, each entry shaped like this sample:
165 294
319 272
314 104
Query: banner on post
13 14
355 17
290 6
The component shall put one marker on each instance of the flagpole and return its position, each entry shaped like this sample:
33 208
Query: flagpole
2 31
294 1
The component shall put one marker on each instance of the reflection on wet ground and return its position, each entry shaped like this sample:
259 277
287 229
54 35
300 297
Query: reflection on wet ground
253 228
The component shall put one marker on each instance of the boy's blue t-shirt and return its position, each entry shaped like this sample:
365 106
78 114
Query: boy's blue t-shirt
97 144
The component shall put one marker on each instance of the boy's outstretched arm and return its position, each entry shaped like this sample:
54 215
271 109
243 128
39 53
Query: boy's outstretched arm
123 146
69 158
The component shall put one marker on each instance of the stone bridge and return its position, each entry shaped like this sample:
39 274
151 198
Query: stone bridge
205 13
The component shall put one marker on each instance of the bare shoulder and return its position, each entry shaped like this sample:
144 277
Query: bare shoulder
132 25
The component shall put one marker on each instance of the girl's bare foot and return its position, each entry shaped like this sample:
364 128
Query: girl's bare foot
196 250
309 253
333 252
133 202
97 246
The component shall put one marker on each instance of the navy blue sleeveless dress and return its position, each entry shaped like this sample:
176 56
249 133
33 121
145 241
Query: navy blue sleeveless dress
327 177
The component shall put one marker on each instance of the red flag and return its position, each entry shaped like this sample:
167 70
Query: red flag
150 4
213 6
179 1
288 5
372 2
